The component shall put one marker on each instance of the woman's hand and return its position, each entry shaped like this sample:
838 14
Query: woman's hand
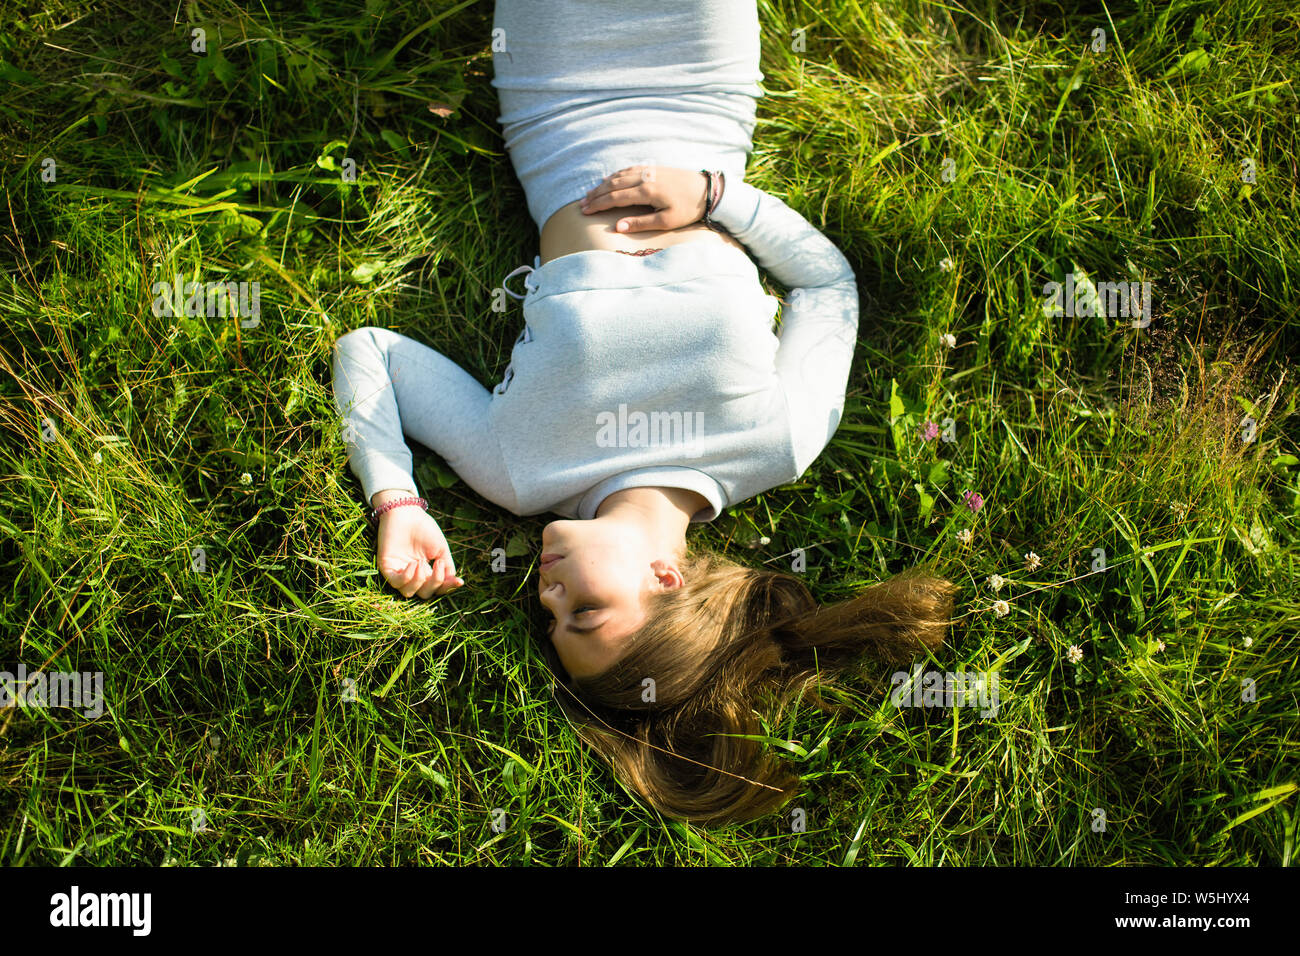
676 194
413 554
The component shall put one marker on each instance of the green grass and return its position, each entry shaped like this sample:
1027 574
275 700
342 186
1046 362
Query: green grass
1079 433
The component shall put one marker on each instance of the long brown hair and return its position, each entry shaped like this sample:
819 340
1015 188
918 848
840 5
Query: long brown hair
729 640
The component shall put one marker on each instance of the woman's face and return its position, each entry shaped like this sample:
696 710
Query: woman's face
595 576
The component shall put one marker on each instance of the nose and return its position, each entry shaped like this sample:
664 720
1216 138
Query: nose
547 598
544 584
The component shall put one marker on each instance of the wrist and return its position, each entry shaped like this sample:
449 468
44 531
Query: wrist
737 211
390 494
714 184
389 502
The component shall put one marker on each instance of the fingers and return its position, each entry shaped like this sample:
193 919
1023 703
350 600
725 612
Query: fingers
623 179
628 177
631 196
627 187
419 577
656 221
441 580
411 577
402 577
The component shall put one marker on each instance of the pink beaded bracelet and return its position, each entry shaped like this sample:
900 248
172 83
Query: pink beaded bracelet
395 503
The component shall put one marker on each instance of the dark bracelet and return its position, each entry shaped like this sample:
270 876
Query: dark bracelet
374 514
712 194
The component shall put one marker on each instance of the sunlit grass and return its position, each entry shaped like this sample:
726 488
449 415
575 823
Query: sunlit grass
283 706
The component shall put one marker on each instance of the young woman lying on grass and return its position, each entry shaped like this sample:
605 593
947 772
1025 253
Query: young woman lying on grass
646 391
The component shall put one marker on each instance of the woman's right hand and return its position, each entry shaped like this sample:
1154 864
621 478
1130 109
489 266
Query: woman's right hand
413 554
677 196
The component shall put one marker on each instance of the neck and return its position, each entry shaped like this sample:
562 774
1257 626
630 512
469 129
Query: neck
664 512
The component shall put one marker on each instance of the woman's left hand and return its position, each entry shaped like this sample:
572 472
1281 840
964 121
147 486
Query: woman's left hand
413 555
677 196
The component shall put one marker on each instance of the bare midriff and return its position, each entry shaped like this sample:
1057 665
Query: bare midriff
571 230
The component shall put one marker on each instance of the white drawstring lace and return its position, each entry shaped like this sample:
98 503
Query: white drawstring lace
529 284
526 335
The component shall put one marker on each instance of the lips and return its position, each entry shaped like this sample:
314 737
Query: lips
548 561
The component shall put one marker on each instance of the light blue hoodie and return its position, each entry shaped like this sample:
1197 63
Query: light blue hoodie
659 370
685 337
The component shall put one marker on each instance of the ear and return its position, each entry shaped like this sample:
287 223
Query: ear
668 575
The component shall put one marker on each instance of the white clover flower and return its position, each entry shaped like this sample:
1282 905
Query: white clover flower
949 340
764 540
945 264
1032 561
98 458
1075 653
1247 641
245 479
996 582
1001 608
965 536
1160 645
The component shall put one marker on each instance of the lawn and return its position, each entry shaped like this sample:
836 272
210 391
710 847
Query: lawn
1116 495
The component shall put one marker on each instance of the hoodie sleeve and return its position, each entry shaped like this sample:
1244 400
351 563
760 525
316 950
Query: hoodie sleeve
819 319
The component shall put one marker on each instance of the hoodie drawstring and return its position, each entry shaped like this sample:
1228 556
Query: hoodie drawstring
526 335
529 284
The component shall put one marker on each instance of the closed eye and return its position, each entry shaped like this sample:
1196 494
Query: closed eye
586 609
